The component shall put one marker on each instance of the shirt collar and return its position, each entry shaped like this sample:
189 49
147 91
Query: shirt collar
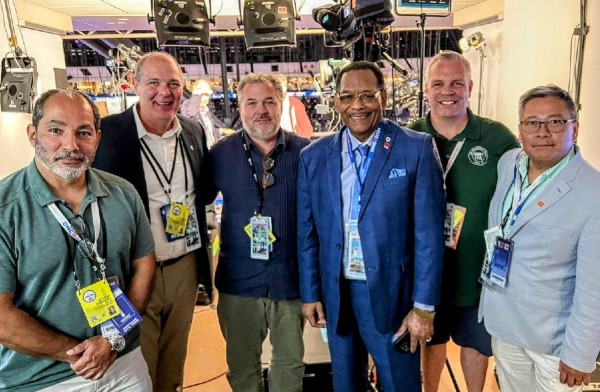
44 194
280 145
141 130
523 166
354 142
472 129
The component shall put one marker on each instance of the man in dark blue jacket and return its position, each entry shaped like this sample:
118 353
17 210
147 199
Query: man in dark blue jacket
257 275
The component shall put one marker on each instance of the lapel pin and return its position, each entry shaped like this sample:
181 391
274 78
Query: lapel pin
388 139
386 145
540 204
191 147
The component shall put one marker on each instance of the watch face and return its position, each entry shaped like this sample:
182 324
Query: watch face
117 342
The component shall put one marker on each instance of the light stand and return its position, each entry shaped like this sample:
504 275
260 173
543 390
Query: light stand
481 50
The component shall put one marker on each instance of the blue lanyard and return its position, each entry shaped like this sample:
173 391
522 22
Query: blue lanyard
361 172
519 198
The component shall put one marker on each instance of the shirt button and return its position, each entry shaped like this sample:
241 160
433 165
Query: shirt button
335 280
339 246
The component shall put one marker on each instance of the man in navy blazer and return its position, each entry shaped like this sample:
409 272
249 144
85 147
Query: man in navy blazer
542 304
370 236
165 157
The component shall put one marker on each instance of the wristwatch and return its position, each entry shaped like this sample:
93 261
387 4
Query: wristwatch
117 342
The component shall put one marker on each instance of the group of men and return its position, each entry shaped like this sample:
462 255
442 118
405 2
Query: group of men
392 239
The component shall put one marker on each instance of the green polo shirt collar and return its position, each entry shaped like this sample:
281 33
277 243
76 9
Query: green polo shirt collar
45 196
471 131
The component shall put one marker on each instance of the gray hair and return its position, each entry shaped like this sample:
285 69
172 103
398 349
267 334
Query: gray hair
448 55
139 69
38 109
548 91
260 79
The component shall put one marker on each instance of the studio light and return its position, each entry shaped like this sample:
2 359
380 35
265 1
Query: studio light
475 41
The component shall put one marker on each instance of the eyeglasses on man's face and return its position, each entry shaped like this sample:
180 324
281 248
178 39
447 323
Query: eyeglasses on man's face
268 179
555 125
367 97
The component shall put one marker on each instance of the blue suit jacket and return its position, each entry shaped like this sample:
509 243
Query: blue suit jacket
400 225
551 302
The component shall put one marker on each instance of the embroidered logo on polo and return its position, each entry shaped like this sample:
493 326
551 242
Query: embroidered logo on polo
478 156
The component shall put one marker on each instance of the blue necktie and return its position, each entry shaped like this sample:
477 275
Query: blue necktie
360 179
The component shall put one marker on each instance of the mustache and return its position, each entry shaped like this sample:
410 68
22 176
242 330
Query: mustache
69 155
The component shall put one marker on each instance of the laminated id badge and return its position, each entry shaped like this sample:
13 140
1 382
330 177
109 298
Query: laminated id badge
126 320
98 303
500 261
259 237
355 264
192 234
490 236
172 216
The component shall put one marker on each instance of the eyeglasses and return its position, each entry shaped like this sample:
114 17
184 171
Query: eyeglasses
370 97
85 246
554 125
268 179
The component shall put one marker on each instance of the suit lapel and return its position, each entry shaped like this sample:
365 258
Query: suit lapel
553 192
334 170
191 149
379 159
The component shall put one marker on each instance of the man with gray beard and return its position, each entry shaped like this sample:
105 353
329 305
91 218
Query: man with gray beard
76 261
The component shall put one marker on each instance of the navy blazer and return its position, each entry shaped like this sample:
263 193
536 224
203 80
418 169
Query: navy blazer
119 153
400 224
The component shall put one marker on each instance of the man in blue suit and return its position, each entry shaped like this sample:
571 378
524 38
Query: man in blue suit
370 236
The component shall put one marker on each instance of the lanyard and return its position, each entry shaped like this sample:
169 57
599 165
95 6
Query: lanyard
361 172
519 197
452 158
154 164
261 191
68 228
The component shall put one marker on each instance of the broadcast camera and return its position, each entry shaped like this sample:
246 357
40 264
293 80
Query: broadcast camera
353 28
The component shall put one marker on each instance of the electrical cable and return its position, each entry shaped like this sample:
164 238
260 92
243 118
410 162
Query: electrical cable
206 381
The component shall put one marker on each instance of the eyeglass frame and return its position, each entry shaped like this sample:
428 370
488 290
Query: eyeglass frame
85 246
562 122
360 96
268 179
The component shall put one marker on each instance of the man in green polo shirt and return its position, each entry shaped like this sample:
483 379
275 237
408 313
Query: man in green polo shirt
76 261
469 148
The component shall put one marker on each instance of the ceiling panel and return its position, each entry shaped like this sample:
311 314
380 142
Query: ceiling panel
102 15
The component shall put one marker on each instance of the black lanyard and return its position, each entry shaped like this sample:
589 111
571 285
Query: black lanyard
260 189
154 164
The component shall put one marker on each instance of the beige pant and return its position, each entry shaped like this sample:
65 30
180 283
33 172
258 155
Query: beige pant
520 369
128 373
167 322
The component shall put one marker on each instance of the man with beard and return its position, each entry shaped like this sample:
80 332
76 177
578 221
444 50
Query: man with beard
164 155
60 288
257 275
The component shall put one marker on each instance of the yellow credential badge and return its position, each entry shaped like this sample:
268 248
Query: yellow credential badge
177 219
98 303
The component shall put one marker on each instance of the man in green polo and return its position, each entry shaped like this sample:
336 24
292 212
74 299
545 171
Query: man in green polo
75 247
469 148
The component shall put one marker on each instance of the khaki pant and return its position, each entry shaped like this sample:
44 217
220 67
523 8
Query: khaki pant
167 323
244 323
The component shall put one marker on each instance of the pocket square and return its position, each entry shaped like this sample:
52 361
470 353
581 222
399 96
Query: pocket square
395 173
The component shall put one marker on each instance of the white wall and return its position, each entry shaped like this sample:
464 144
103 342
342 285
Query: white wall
492 33
47 50
589 135
536 42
